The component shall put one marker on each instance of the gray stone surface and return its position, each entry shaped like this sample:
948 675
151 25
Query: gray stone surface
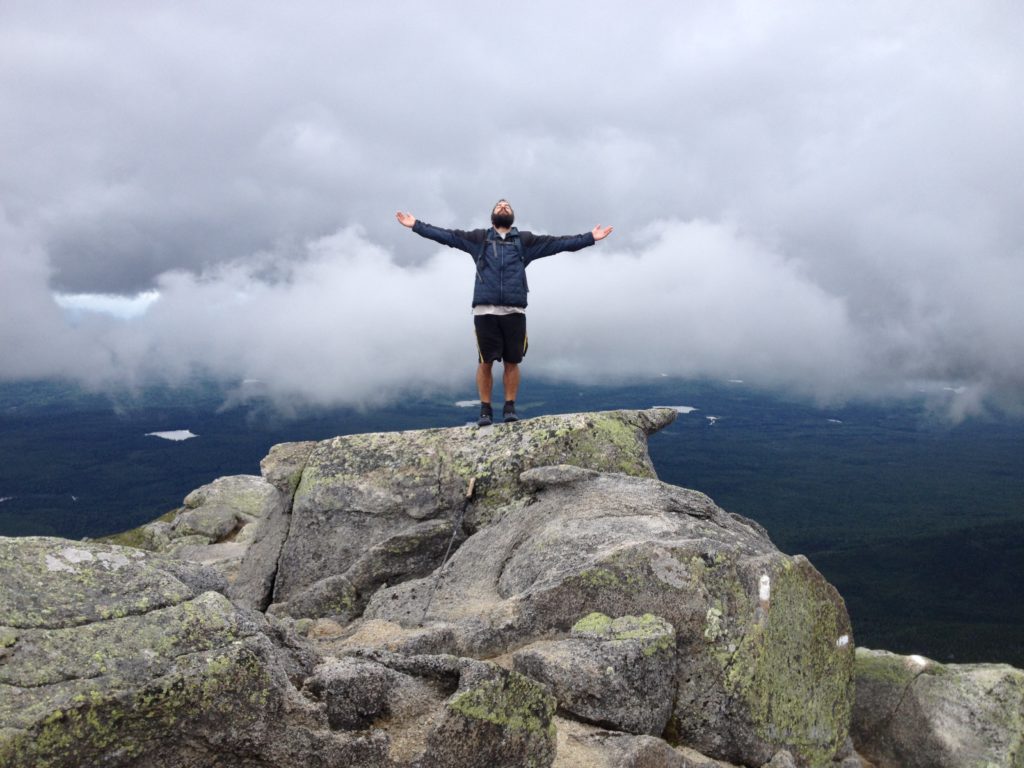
763 642
414 551
210 520
496 719
911 711
235 525
782 759
439 711
253 584
583 582
616 673
586 746
359 491
110 659
359 693
283 466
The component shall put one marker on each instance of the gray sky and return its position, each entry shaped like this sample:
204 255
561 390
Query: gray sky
823 197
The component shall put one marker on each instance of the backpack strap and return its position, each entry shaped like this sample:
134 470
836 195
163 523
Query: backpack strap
480 256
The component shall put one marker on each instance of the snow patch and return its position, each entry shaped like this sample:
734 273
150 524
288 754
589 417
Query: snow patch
711 420
176 435
678 408
467 403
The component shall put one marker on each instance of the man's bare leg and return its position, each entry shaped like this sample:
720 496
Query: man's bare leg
484 381
510 378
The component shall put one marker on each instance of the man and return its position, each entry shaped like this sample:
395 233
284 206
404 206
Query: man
501 255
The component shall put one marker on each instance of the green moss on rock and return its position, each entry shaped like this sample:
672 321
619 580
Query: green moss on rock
793 671
514 702
593 624
139 538
613 441
653 633
198 696
84 582
890 669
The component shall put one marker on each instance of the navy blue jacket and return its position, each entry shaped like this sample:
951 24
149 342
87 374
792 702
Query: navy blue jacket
501 262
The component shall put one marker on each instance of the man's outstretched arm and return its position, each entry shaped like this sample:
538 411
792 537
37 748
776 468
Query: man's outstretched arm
453 238
539 246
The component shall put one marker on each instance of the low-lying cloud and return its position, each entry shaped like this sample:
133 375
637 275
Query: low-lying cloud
345 323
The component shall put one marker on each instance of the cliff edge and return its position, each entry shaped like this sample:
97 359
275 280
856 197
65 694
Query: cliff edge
526 594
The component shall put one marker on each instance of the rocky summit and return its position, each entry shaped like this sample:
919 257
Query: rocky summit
527 594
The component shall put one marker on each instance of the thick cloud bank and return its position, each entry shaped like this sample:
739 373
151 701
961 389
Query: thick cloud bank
813 196
344 323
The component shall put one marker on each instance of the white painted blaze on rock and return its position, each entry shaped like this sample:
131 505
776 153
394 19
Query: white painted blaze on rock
68 557
56 564
764 590
73 555
112 561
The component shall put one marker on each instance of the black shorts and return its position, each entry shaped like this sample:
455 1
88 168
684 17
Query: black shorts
501 337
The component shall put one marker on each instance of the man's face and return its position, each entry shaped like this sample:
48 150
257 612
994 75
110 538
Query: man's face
502 215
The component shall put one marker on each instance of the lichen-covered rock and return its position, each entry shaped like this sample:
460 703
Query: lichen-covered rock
617 673
211 520
114 657
585 745
283 466
236 525
911 711
439 711
782 759
496 719
640 605
361 694
359 491
764 651
56 583
415 551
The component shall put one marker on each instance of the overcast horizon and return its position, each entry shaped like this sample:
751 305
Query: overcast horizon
818 198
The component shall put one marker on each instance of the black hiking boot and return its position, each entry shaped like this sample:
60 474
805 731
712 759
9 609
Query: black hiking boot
509 411
486 416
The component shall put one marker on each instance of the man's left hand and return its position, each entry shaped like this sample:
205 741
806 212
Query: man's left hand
600 233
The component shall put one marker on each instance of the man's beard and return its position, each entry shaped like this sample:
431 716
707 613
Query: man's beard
502 220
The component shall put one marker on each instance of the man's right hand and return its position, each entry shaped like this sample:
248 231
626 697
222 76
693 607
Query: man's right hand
405 219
